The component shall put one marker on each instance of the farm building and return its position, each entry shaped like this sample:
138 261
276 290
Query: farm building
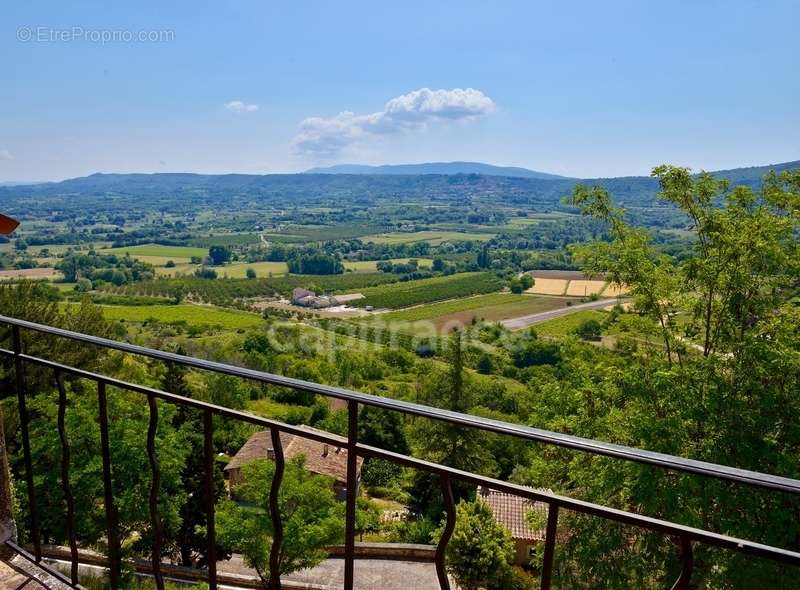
512 512
306 298
320 458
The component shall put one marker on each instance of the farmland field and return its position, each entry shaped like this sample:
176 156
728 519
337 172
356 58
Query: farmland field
493 307
371 265
431 236
224 291
236 270
193 315
408 293
156 250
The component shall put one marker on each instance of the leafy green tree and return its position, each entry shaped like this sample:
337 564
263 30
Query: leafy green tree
250 273
485 364
721 387
219 255
480 552
190 535
312 518
445 443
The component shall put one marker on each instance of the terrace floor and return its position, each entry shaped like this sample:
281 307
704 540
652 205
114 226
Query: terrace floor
19 574
386 574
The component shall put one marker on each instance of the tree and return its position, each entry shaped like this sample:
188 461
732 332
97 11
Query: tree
437 265
527 281
250 273
485 364
484 258
219 255
480 552
721 388
589 329
205 273
312 519
190 535
441 442
383 429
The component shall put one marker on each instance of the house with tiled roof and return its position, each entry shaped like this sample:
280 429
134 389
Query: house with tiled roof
320 458
512 512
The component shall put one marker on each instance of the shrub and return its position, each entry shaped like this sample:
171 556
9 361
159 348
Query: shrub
589 330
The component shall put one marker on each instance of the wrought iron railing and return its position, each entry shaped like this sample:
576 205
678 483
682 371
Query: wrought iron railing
684 536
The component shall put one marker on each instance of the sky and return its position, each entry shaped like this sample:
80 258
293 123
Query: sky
587 89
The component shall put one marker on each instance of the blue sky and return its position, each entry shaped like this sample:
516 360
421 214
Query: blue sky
578 88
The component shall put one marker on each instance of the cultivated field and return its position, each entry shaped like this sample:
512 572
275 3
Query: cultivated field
371 265
549 287
490 308
574 287
30 273
432 236
237 270
585 288
156 254
408 293
193 315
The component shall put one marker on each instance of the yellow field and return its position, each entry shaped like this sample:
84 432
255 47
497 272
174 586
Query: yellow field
575 288
549 287
30 273
614 291
584 288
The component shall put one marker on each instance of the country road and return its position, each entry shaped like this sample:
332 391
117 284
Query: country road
538 318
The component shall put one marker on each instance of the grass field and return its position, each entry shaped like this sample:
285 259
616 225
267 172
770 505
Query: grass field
565 325
157 251
432 236
193 315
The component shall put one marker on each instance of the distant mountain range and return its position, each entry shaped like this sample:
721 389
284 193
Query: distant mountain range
167 191
434 168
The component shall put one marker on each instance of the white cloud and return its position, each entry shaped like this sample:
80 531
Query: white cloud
327 137
6 156
237 106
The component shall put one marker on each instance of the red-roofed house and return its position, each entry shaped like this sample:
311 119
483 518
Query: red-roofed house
511 511
320 458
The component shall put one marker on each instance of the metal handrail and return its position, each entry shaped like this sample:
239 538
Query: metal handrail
684 534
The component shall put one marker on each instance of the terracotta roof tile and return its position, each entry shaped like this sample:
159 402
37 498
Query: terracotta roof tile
320 458
511 511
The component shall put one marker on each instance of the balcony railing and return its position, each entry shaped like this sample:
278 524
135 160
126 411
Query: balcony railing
685 537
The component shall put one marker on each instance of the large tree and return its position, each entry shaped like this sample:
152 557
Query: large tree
312 518
721 387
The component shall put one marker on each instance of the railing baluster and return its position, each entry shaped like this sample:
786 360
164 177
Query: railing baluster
449 526
155 484
114 560
68 497
549 546
208 435
19 374
352 493
275 511
687 565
